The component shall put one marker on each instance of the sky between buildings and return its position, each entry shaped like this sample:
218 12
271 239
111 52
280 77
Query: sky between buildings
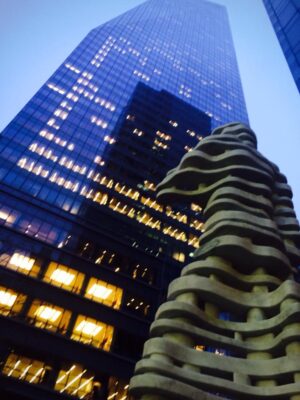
37 35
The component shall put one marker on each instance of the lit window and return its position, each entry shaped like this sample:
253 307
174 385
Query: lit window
75 381
196 224
88 328
48 316
99 122
158 143
199 348
127 191
21 262
53 124
7 299
163 135
195 207
72 68
138 132
173 123
33 167
8 217
148 220
104 103
61 113
101 198
130 117
149 186
93 332
191 133
66 105
176 215
109 139
179 256
141 75
193 240
175 233
56 88
24 368
47 313
105 293
11 302
64 277
72 97
121 208
98 160
148 201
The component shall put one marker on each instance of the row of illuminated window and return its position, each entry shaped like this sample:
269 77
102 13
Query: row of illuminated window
148 201
103 180
72 280
160 144
56 139
141 75
148 220
63 161
163 135
59 236
71 379
114 203
63 114
98 122
102 53
48 316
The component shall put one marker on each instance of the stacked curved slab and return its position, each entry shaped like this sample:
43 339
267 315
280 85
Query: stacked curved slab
244 267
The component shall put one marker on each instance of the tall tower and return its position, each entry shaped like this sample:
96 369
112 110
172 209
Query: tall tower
285 18
86 250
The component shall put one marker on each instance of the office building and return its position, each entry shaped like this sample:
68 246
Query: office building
86 250
285 18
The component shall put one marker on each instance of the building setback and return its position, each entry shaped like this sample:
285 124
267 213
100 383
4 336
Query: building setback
86 250
285 18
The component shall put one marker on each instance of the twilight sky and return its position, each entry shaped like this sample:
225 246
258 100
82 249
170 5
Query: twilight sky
37 35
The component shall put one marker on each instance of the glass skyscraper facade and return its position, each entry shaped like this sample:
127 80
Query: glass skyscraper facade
86 250
285 18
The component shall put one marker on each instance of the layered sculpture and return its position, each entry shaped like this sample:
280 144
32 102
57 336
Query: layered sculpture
231 325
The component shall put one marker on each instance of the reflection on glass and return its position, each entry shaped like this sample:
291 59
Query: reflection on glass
24 368
75 381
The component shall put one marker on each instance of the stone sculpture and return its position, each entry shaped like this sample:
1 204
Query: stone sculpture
245 267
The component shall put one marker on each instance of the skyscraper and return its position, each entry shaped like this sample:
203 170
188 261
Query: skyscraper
87 251
285 18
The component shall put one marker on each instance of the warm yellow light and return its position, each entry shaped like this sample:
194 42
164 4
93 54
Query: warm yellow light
99 291
61 276
21 261
88 328
47 313
7 299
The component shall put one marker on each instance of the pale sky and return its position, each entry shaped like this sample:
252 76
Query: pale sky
37 35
